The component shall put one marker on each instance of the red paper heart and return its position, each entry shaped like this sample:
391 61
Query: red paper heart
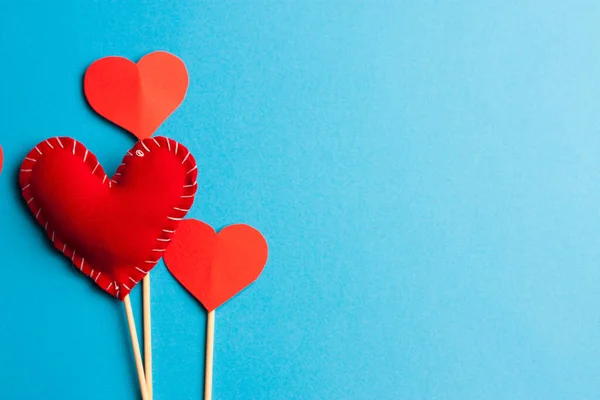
113 230
215 267
137 97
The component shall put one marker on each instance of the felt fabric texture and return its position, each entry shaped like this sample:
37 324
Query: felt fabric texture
137 97
113 230
212 266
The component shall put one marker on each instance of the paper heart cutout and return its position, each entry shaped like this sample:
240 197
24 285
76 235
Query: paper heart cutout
215 267
113 230
137 97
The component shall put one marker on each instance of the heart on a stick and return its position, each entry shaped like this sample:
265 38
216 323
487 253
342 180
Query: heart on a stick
137 97
212 266
113 230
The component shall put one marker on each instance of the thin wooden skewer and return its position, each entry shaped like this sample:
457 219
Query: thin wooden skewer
136 348
210 341
147 334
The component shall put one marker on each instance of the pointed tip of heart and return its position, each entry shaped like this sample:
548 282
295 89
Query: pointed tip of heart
140 96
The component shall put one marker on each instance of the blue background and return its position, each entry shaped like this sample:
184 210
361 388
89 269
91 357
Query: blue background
426 174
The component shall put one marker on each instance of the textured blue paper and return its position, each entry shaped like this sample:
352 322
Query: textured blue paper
427 175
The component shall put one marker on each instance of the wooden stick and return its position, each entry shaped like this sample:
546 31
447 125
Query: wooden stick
147 334
136 348
210 341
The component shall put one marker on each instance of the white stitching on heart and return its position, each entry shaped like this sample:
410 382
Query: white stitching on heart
186 157
75 258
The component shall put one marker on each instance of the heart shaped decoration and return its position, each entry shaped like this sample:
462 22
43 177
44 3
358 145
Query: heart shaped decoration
137 97
215 267
113 230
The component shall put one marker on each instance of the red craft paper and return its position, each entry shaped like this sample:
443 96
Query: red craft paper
137 97
113 230
215 267
1 158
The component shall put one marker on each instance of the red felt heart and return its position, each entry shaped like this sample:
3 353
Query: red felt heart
215 267
113 230
137 97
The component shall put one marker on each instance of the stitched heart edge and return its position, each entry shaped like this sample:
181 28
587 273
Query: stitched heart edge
117 289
